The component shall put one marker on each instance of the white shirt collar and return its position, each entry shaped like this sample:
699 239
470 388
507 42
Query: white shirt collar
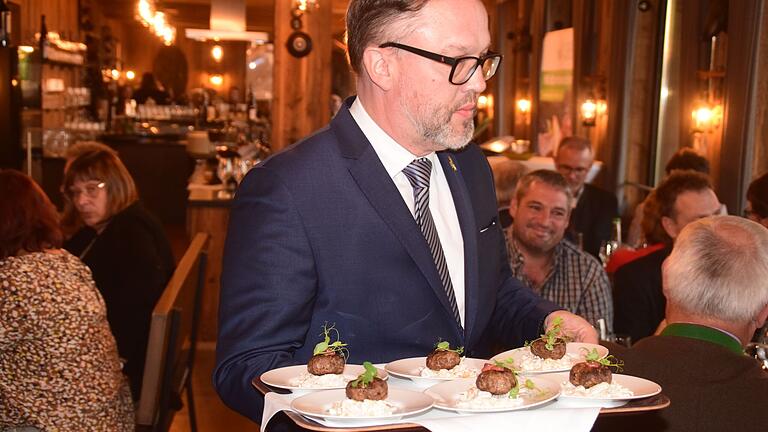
394 156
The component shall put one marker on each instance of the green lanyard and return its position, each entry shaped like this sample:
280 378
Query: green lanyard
704 333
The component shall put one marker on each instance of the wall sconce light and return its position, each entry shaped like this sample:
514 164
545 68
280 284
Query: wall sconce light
216 79
524 105
217 52
706 117
588 112
306 5
482 102
130 75
115 74
602 107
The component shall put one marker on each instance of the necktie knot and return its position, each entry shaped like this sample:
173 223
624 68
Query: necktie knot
418 172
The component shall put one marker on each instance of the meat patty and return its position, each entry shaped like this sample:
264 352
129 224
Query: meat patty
441 359
589 373
375 390
326 363
496 380
539 349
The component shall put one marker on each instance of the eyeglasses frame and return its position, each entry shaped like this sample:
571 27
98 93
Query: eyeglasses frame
72 195
451 61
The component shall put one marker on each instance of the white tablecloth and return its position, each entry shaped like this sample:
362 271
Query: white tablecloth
553 417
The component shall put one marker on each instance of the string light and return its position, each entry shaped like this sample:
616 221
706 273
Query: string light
155 20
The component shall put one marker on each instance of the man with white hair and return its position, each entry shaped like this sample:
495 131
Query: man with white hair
716 284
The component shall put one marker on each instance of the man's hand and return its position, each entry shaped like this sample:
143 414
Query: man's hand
573 326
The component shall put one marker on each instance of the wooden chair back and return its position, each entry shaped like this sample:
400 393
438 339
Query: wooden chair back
172 341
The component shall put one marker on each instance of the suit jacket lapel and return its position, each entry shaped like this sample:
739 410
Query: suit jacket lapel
374 181
461 200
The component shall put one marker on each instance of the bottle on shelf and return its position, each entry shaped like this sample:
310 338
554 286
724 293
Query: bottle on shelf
5 24
43 37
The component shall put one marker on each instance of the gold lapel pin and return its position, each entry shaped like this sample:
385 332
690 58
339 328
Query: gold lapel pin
450 162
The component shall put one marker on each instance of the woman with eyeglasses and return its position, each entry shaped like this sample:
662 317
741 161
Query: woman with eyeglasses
123 245
59 365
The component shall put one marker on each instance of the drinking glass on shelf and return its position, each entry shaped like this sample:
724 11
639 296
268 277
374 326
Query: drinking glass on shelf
226 172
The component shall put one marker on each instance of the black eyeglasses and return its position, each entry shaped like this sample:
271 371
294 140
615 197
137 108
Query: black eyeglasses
462 68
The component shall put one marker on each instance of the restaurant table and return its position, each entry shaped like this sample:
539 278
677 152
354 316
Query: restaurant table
575 418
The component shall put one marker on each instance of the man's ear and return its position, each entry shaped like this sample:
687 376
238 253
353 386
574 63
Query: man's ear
513 207
380 66
762 317
669 226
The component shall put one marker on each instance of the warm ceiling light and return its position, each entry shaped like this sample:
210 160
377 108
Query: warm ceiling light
115 74
130 75
217 53
216 79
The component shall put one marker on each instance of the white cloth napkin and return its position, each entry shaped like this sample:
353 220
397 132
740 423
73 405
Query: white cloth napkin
553 417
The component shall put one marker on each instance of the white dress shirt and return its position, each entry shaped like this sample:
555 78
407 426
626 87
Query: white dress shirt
395 157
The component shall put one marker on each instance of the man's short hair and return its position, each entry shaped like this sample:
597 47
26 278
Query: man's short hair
757 194
662 200
551 178
574 142
719 268
369 22
506 174
687 159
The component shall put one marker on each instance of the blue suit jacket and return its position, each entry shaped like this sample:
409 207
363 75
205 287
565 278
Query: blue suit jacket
320 234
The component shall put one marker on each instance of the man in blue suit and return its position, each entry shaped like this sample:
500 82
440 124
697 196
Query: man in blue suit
335 230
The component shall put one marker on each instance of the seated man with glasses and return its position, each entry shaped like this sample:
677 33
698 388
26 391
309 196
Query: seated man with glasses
383 223
593 208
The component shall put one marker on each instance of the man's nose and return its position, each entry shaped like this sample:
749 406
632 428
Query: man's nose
476 82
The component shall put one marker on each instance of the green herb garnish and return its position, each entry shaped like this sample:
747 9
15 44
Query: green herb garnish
507 363
515 392
366 377
446 346
609 360
553 333
326 346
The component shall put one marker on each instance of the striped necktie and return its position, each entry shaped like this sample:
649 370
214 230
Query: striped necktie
417 173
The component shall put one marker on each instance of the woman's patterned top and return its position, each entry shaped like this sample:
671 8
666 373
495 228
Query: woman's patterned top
59 367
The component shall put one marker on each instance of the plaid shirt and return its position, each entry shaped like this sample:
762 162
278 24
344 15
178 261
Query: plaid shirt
576 281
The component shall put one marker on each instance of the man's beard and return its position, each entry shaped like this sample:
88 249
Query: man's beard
434 126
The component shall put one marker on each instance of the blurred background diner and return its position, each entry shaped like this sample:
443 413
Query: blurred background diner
139 118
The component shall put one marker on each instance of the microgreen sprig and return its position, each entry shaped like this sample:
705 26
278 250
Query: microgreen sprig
553 333
327 346
508 363
446 346
366 377
515 392
609 360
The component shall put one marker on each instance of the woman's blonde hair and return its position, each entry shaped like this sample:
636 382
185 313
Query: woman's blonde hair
103 166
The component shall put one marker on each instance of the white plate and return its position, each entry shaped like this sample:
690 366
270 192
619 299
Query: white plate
282 377
410 368
641 388
446 395
575 349
316 405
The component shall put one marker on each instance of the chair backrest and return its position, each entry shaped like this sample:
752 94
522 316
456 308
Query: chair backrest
172 339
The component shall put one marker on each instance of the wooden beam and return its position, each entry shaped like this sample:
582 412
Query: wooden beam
302 86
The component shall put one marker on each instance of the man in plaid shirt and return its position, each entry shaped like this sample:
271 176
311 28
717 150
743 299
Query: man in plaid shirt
548 264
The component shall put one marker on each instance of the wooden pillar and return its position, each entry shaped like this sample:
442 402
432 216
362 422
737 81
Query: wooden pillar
302 86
